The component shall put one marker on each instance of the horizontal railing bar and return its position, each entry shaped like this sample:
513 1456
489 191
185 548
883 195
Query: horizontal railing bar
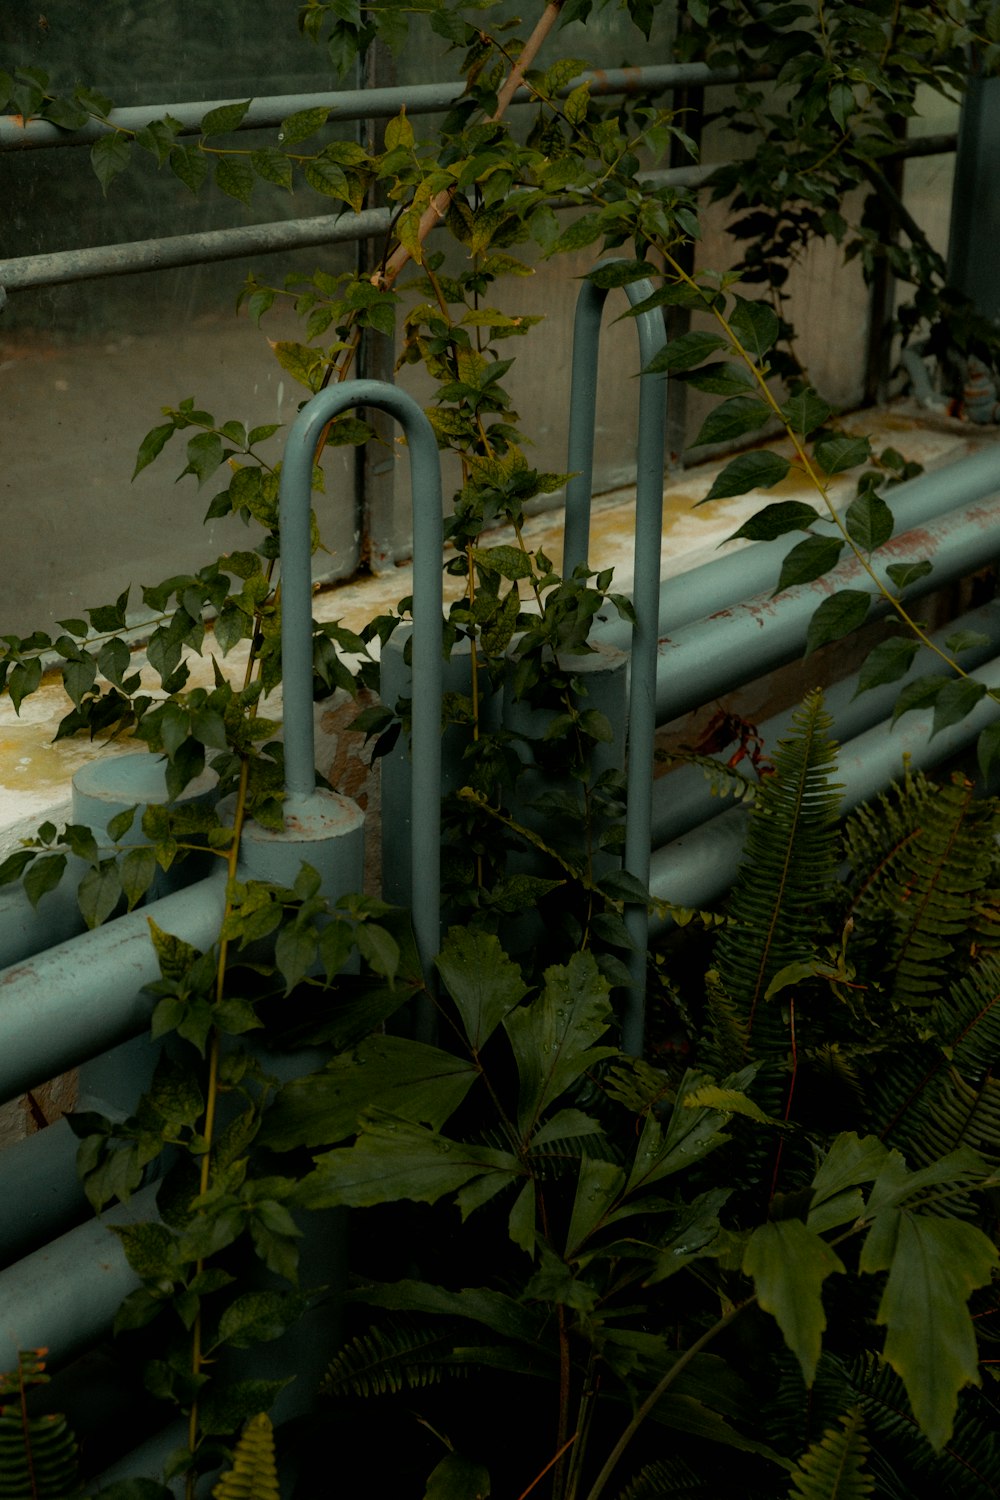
74 1001
683 798
697 868
60 266
733 645
351 104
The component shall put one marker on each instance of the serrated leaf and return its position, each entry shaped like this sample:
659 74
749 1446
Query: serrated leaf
887 662
805 412
836 454
109 156
777 520
684 352
399 132
755 325
789 1264
303 364
955 701
930 1340
869 521
483 982
837 616
223 119
555 1038
809 559
920 693
758 470
509 562
303 123
235 176
190 165
732 419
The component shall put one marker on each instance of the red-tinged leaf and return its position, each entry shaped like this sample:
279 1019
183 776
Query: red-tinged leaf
837 616
752 471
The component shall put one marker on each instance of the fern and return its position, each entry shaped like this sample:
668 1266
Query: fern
669 1479
38 1455
787 881
834 1468
933 849
385 1361
254 1474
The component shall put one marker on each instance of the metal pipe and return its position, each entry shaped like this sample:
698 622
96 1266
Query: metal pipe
59 266
76 1000
733 645
646 577
65 1296
754 569
296 625
350 104
683 798
699 867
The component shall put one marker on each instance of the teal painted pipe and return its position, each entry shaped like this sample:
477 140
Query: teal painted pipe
645 592
296 627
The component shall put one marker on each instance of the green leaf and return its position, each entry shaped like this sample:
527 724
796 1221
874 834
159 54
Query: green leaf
836 454
43 876
966 640
295 954
99 893
483 982
152 445
150 1249
833 1468
758 470
789 1264
920 693
109 156
869 521
930 1338
805 412
223 1409
303 123
138 868
887 662
955 701
721 379
190 165
224 119
394 1160
837 616
554 1038
755 325
903 574
776 520
259 1317
458 1478
509 562
684 352
408 1079
809 559
988 750
235 176
398 132
732 419
599 1185
303 364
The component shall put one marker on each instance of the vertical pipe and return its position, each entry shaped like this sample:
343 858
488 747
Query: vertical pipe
646 587
296 626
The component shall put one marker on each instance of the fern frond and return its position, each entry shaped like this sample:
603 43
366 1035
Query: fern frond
669 1479
254 1475
786 887
386 1360
38 1458
926 897
835 1468
723 780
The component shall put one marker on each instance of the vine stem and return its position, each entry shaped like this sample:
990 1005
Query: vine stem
438 207
658 1391
759 374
